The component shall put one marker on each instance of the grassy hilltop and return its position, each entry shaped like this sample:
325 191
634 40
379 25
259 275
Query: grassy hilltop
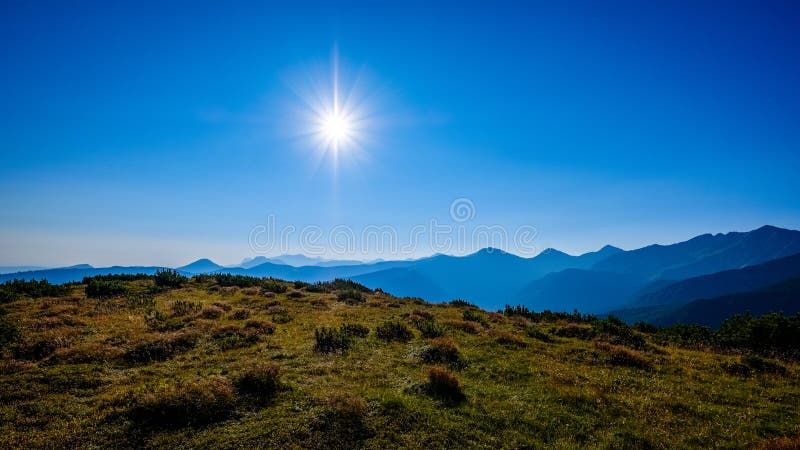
236 362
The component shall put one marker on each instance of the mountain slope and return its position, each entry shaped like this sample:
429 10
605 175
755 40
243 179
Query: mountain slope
723 283
200 266
781 297
705 254
588 291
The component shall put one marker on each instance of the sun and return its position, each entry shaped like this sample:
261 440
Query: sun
336 128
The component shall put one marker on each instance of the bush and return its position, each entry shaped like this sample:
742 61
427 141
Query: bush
212 312
329 340
98 288
470 315
351 297
231 336
260 326
467 327
547 315
441 350
574 331
158 321
13 289
169 279
161 348
538 334
341 423
429 328
338 284
509 340
184 307
443 384
392 330
8 329
461 303
619 333
282 317
355 330
240 314
749 364
620 356
185 403
261 381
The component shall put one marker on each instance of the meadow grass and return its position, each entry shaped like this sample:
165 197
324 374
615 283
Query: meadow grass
203 365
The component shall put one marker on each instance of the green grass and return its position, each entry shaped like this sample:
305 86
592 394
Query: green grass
185 370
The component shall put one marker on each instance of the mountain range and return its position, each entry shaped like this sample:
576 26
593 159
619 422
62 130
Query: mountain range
648 283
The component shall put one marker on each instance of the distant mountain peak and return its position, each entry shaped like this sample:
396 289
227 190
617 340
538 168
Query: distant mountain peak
203 265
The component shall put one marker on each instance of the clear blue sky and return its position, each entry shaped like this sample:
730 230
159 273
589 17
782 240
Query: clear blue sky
156 134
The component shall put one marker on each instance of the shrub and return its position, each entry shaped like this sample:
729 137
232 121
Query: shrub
749 364
231 336
240 314
169 278
185 403
184 307
295 294
574 331
355 330
282 317
392 330
461 303
467 327
38 348
509 340
13 289
98 288
338 284
8 329
429 328
619 333
161 348
351 297
260 326
443 384
260 381
270 285
538 334
342 422
620 356
158 321
470 315
212 312
330 340
441 350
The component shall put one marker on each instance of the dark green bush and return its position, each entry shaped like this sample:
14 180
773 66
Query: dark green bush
161 348
231 336
393 330
355 330
547 315
260 381
444 385
538 334
472 315
98 288
619 333
185 307
429 328
13 289
351 297
442 350
329 340
461 303
185 403
169 279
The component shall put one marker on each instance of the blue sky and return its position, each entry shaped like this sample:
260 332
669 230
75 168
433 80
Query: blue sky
156 134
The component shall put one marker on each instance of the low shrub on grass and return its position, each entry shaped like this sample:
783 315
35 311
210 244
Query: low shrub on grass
429 328
471 315
97 288
509 340
393 330
351 297
184 307
341 422
158 321
621 356
161 348
441 350
8 329
240 314
574 331
355 330
260 381
463 325
443 384
212 312
538 334
169 278
618 332
461 303
282 317
184 403
259 326
752 364
231 336
330 340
